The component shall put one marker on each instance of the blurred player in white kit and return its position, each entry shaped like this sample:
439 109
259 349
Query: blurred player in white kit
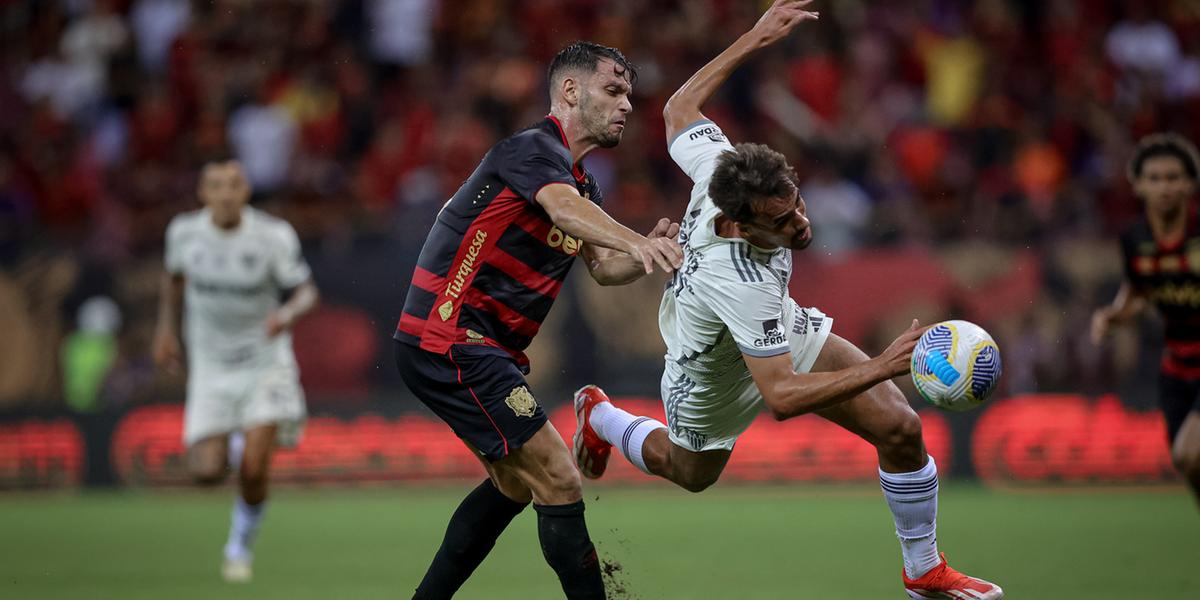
229 268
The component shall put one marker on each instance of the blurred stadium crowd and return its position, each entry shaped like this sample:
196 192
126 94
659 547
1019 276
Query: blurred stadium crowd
959 159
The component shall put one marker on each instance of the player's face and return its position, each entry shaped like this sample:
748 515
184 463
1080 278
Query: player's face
1164 183
224 190
779 222
604 102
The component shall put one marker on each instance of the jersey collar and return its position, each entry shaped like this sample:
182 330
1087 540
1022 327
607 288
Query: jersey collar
576 169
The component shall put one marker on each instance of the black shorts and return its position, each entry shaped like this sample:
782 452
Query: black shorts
1177 398
483 397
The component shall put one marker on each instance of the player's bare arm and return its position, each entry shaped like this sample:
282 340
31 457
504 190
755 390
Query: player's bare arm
167 349
1127 304
577 216
302 300
788 394
612 267
683 108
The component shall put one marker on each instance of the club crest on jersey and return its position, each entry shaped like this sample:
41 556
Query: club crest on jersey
445 310
557 237
521 402
474 336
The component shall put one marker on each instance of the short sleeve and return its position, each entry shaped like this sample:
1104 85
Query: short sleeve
696 148
531 161
289 268
173 251
753 313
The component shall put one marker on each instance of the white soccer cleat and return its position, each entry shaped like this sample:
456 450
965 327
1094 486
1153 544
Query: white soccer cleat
237 570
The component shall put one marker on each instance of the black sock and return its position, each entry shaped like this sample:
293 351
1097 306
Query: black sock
569 550
472 533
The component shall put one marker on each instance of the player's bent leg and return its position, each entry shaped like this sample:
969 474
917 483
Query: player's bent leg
1185 451
545 465
907 476
250 506
473 530
207 460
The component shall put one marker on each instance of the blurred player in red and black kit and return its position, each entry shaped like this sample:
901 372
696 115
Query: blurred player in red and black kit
1162 267
489 271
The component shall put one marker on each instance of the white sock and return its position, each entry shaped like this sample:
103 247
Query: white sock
243 528
913 500
624 430
237 443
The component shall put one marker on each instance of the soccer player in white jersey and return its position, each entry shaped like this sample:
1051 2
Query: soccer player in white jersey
228 265
737 342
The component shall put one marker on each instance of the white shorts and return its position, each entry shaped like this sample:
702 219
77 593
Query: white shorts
221 400
700 419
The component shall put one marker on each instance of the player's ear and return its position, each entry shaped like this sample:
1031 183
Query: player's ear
570 90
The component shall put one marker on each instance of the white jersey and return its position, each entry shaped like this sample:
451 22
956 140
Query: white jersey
234 280
730 298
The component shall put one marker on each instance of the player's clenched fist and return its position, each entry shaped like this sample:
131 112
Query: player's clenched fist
168 354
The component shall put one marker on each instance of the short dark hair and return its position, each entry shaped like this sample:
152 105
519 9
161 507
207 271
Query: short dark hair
585 56
747 174
1164 144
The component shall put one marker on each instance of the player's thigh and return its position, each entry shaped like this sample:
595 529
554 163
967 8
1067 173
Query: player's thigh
880 415
484 398
506 480
208 457
260 444
696 471
1185 449
545 466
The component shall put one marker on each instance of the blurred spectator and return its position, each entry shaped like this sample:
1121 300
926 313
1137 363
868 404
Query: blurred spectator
88 353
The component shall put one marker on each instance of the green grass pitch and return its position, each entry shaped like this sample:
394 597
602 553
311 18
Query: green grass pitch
728 542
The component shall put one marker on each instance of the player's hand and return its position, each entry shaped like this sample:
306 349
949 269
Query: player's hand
279 321
779 20
897 359
1101 322
664 229
661 251
168 353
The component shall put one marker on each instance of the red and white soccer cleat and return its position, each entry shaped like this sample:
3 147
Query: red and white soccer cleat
944 582
591 452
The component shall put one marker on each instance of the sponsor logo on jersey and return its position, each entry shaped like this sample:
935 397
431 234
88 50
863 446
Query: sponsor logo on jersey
558 238
474 336
446 309
772 334
521 402
466 267
709 131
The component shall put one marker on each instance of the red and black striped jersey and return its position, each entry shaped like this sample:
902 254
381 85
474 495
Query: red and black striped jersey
1169 277
494 262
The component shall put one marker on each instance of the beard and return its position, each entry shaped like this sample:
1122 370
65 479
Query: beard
597 124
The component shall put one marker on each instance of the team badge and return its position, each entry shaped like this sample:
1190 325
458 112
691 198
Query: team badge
521 402
445 310
474 336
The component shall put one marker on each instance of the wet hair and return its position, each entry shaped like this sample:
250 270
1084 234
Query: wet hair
1164 144
584 56
748 174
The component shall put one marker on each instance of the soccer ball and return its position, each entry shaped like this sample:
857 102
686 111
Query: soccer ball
956 365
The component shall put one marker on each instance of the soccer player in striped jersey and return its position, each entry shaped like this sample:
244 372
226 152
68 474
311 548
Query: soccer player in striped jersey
1161 254
737 342
486 277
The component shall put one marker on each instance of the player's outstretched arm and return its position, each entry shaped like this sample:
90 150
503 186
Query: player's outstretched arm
612 267
683 108
1126 305
788 394
588 222
167 350
302 300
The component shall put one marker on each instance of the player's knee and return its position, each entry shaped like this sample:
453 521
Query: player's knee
208 474
904 432
1187 462
697 483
